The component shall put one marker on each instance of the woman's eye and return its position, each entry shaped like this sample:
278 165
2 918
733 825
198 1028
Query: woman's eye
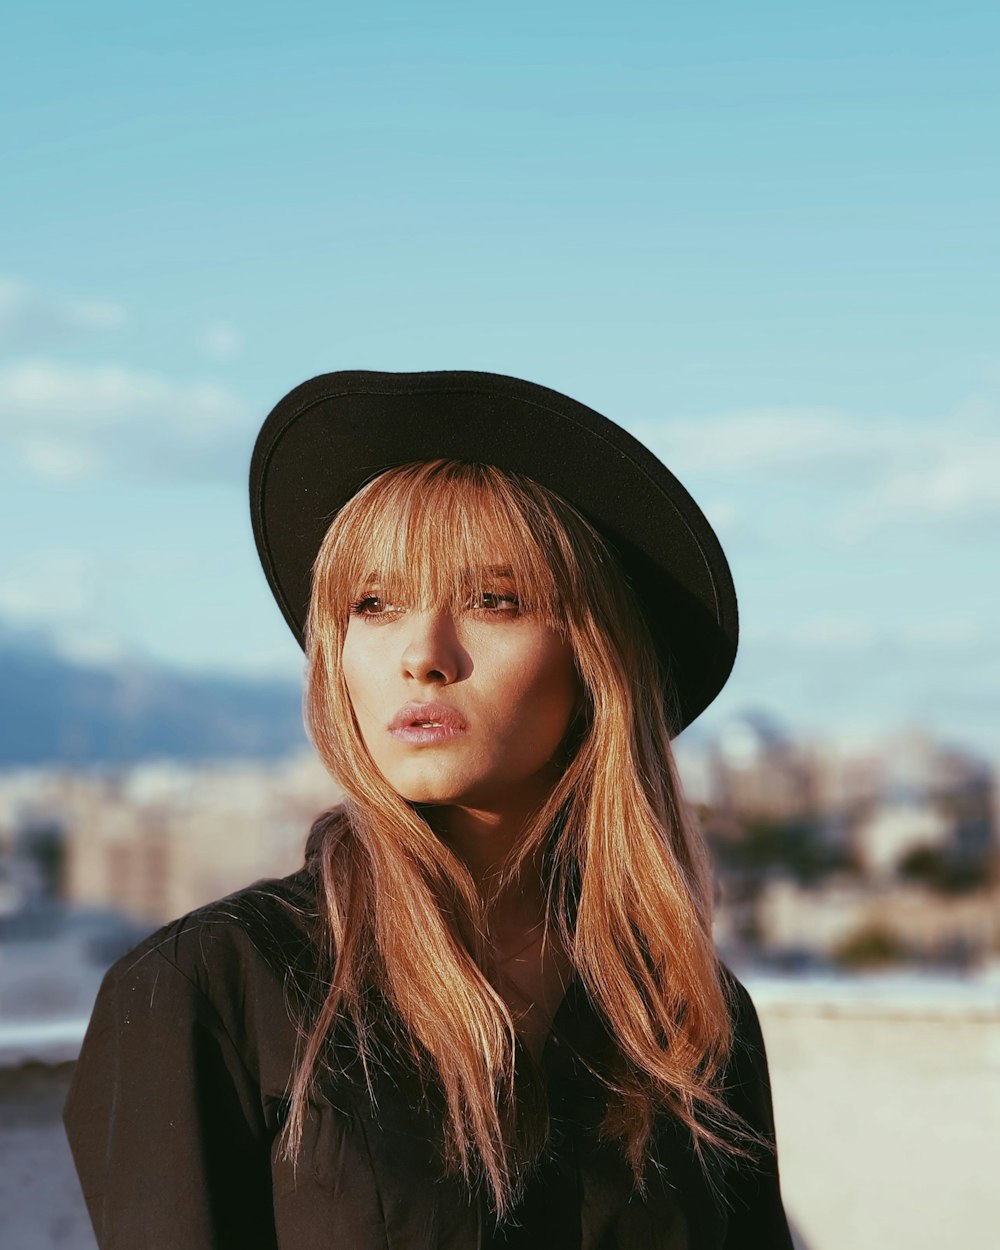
494 601
371 605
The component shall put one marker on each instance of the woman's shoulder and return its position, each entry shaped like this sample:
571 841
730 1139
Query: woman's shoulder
748 1039
235 968
263 925
741 1005
273 924
180 1082
746 1077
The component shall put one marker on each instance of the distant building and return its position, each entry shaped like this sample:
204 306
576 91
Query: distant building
816 843
156 841
930 797
929 926
758 771
884 836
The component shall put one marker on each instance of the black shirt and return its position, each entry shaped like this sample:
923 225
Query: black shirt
180 1093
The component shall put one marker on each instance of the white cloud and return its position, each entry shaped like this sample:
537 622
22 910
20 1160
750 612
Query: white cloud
863 473
39 585
60 421
221 341
32 319
722 514
60 460
753 438
92 646
821 633
960 482
948 633
60 597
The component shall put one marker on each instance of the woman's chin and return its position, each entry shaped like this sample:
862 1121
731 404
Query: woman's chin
417 787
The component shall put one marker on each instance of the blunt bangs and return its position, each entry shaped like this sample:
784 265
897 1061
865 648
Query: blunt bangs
440 533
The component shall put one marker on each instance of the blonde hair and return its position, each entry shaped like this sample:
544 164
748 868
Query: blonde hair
629 883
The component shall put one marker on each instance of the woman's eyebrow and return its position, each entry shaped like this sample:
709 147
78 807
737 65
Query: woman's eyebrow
490 570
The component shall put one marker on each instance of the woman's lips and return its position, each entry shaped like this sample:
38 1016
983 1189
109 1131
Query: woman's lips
427 723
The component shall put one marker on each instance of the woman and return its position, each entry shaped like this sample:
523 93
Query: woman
488 1010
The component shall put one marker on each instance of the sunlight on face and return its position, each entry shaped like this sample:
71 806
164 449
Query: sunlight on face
466 707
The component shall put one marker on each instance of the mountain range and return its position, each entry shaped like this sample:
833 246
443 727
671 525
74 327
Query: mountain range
61 710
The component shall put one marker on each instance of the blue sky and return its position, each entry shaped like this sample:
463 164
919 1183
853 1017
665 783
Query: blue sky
764 238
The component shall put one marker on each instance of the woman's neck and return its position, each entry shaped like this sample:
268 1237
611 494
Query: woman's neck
485 841
530 966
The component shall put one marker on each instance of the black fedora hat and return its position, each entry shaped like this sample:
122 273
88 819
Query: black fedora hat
329 436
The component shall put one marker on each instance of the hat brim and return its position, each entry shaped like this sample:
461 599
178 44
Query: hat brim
329 436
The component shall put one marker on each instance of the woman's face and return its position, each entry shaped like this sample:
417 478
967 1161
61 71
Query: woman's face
465 707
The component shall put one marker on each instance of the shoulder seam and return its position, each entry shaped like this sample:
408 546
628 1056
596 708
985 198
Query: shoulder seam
216 1018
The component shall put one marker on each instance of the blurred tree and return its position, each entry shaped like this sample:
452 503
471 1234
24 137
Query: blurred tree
795 846
940 870
870 946
44 845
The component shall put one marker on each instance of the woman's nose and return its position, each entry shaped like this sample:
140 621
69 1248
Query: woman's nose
432 651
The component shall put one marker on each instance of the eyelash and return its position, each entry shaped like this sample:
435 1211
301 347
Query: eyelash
358 607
